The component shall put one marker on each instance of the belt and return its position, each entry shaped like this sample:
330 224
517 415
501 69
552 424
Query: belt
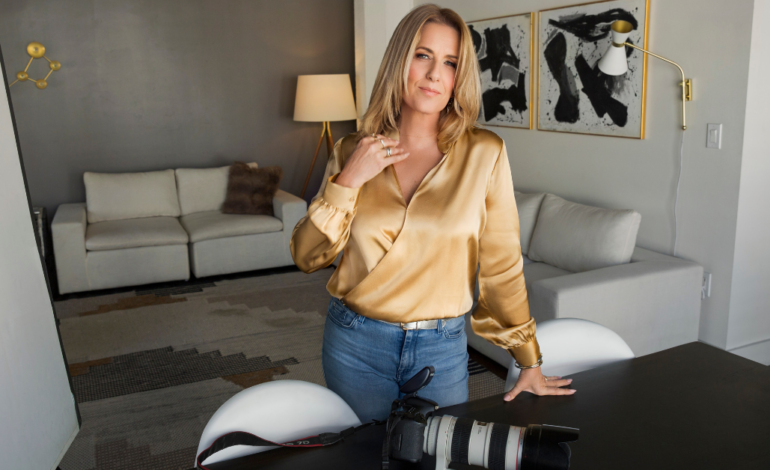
416 325
412 325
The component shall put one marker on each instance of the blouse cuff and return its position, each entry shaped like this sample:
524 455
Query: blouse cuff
527 354
340 196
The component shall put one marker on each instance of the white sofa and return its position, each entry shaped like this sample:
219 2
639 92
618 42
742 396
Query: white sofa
581 262
140 228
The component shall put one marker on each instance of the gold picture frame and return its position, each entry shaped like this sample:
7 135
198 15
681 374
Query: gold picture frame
528 122
645 4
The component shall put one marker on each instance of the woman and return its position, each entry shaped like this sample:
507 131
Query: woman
413 229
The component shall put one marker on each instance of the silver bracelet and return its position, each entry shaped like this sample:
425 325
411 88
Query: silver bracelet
537 364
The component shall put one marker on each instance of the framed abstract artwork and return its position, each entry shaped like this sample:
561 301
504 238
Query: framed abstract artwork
573 94
504 47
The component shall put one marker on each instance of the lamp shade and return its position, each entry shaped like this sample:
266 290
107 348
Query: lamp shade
324 98
614 61
620 31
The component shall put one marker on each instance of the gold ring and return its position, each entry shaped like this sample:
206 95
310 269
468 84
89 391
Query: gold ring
387 149
546 378
383 143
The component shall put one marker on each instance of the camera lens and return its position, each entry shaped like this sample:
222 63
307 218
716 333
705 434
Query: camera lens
545 447
497 446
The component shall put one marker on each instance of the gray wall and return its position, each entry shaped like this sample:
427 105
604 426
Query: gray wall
148 85
711 40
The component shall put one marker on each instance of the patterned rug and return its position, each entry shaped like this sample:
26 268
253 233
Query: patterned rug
150 367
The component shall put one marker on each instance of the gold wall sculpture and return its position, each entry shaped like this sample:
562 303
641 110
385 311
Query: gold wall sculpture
37 51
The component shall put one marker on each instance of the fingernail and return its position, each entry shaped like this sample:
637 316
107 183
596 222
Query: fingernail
573 390
569 380
507 398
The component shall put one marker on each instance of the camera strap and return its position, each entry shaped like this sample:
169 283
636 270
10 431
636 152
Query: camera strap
241 438
393 420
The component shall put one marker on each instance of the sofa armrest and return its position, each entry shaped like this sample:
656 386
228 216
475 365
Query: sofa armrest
290 209
653 305
642 254
68 230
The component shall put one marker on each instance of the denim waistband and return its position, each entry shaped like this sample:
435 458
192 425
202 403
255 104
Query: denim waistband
439 324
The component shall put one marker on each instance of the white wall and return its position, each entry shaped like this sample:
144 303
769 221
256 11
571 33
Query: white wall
712 41
37 409
749 324
375 21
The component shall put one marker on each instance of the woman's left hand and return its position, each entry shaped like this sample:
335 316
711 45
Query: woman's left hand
533 381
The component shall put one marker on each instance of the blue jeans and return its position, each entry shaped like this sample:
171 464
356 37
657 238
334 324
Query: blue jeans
366 361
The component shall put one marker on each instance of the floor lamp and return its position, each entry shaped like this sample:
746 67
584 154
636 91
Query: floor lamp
323 98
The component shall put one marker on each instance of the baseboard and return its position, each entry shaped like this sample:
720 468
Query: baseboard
759 352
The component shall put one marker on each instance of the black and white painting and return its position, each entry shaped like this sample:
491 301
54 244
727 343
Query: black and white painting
574 95
504 48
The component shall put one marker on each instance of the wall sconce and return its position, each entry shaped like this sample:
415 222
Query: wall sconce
36 51
615 62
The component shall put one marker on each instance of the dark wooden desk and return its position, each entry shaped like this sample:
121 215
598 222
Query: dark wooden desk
690 407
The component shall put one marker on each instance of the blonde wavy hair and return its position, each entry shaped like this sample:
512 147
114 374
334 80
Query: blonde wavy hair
390 86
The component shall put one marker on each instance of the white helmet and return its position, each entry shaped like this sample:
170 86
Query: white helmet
279 411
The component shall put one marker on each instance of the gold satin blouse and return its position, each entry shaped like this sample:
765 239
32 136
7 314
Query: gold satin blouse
403 264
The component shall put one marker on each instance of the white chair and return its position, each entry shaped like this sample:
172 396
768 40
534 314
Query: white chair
280 411
572 345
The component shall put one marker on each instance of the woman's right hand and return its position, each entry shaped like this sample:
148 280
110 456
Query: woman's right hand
368 159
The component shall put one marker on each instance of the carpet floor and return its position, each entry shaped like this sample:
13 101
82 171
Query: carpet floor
151 366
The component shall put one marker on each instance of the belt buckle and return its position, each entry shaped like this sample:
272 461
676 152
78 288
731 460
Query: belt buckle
419 324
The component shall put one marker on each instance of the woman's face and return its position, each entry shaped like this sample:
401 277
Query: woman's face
431 77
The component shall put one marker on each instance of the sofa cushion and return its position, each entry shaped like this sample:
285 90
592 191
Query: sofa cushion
528 206
135 233
214 224
116 196
201 190
534 272
251 190
580 238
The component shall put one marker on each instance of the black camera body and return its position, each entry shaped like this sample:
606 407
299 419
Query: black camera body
412 430
408 420
406 441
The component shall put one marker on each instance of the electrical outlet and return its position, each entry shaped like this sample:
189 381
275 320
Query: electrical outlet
706 287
